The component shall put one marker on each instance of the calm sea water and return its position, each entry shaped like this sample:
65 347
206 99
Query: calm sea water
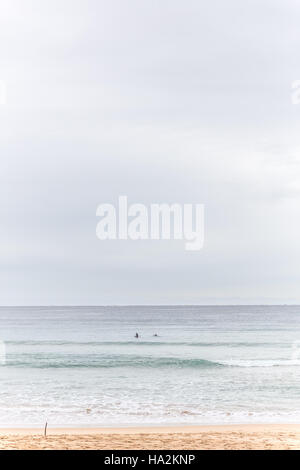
83 366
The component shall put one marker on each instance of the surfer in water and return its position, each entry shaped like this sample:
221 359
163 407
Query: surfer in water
136 335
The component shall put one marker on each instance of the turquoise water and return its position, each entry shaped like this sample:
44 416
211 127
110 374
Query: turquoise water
83 366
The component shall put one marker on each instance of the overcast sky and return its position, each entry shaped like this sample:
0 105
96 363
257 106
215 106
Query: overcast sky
184 101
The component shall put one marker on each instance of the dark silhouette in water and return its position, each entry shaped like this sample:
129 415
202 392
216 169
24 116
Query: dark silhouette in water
136 335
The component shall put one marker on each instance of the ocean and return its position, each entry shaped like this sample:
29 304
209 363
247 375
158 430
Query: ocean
83 366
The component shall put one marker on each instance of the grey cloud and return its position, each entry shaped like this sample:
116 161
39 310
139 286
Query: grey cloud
163 101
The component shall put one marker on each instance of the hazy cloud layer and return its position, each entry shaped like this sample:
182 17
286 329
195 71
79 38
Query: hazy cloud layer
163 101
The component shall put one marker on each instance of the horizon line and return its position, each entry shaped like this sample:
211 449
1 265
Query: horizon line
151 305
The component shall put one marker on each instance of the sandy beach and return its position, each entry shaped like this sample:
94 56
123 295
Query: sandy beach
234 437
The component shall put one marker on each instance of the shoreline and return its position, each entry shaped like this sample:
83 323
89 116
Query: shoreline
150 429
210 437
